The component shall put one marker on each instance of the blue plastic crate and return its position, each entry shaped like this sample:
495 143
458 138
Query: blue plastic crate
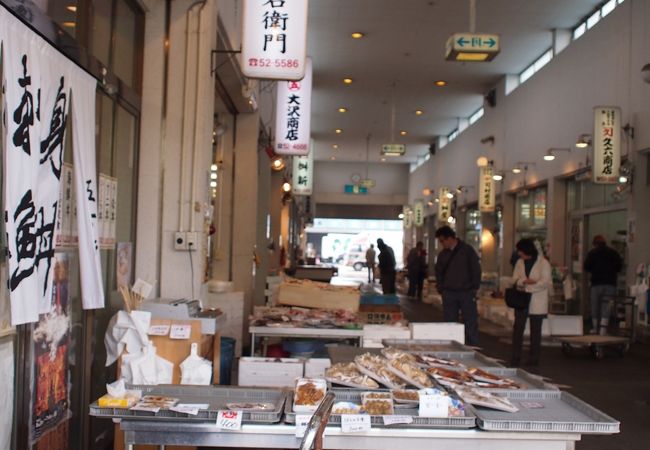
379 299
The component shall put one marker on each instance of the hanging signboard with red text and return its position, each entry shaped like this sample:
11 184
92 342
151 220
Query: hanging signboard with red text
444 204
303 174
293 115
274 44
607 144
486 190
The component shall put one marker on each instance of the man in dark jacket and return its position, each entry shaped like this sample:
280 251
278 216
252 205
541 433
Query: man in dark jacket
386 267
458 277
603 263
416 266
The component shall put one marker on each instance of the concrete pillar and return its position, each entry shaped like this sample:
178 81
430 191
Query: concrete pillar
175 145
263 203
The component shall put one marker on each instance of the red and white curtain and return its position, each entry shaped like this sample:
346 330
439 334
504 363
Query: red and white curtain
42 91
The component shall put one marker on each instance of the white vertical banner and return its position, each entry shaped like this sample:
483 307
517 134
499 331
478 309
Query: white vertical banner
85 183
486 190
293 115
607 144
303 174
408 216
418 213
444 204
274 43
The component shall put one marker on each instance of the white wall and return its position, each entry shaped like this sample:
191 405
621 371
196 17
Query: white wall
331 177
555 106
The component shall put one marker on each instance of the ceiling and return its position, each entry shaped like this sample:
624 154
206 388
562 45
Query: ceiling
401 56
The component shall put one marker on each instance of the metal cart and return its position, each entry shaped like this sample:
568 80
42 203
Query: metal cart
621 329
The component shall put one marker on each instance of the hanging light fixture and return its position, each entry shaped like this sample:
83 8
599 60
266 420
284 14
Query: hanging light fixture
277 163
584 141
286 186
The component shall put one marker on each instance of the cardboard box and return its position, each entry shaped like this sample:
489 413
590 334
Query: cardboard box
313 295
269 372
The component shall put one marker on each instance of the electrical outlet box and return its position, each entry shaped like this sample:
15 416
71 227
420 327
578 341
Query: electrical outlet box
186 240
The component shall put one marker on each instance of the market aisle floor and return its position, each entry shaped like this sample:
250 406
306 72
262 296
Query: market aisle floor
618 386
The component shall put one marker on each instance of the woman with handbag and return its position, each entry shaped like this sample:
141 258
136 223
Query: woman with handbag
532 274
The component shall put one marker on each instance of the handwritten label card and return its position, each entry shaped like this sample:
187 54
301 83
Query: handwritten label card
189 408
434 405
229 420
302 421
158 330
395 420
355 423
180 331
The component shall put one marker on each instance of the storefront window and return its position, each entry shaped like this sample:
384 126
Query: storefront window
101 36
125 42
63 12
539 210
473 229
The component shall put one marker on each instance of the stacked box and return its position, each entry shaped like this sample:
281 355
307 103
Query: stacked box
447 331
269 372
315 367
373 334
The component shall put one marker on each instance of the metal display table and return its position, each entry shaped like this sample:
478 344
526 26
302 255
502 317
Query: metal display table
283 436
315 333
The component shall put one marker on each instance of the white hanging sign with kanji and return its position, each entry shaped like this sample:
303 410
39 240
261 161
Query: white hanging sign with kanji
303 173
274 44
607 144
293 115
486 190
418 213
444 204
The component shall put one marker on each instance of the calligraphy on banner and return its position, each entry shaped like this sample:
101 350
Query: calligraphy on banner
486 190
274 43
607 144
418 213
39 87
444 204
293 115
303 172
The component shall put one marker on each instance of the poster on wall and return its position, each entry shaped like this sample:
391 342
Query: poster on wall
39 87
487 193
293 115
444 204
107 211
274 42
607 144
51 341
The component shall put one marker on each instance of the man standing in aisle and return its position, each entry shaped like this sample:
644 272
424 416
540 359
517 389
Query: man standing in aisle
370 263
603 263
386 267
458 277
416 266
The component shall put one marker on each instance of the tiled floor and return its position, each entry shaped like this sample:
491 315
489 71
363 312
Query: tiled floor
618 386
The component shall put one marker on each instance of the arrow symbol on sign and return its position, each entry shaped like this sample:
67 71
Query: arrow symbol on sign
461 41
491 42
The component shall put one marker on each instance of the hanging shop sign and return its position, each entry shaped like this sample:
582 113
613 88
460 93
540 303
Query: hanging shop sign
408 216
293 115
472 47
40 84
487 191
303 173
418 213
607 144
274 44
393 149
444 204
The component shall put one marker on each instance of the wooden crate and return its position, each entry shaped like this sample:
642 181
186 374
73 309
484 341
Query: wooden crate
312 295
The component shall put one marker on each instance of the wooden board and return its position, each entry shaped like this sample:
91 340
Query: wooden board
310 296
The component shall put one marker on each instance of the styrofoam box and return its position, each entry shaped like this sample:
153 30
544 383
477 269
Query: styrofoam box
439 330
379 332
372 343
565 325
269 372
315 367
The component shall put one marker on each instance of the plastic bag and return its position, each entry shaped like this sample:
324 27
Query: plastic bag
149 368
196 370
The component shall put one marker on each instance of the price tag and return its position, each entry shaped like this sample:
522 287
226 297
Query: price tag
189 408
180 331
394 420
158 330
434 406
229 420
355 423
302 421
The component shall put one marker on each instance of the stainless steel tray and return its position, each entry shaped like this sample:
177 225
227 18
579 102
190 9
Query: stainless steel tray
468 358
426 345
215 396
546 411
524 379
352 395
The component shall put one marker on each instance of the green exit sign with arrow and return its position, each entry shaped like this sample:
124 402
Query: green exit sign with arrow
472 47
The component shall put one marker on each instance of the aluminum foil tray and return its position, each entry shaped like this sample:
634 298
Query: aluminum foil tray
352 395
215 396
546 411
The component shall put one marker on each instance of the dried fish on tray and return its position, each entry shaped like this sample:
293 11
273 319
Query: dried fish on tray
485 399
487 379
393 353
375 367
347 374
409 372
433 361
451 378
409 397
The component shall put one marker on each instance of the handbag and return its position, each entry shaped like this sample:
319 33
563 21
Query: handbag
517 299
